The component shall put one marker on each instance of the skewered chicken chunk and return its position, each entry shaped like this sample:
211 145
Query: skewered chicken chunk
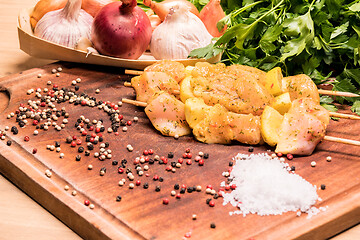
308 105
166 114
215 124
299 133
239 95
300 86
149 83
174 69
303 127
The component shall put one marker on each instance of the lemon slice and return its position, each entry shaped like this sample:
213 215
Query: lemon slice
270 125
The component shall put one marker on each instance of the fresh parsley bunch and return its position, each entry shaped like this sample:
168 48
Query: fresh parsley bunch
320 38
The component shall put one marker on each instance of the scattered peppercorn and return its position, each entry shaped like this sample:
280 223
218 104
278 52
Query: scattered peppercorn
251 149
212 225
78 158
118 198
8 143
322 186
157 188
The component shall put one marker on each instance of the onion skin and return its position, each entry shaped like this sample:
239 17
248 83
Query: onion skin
93 6
211 14
121 30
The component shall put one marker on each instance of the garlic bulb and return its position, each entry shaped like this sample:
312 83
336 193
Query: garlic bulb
178 35
65 26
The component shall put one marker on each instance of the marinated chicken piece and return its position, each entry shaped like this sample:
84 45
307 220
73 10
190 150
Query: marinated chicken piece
205 69
214 128
299 133
245 128
308 105
218 125
236 94
243 71
300 86
166 114
175 69
149 83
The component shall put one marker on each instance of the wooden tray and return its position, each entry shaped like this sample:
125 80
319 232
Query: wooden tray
40 48
140 214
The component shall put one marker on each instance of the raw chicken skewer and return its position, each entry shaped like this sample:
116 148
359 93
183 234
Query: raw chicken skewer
321 91
327 138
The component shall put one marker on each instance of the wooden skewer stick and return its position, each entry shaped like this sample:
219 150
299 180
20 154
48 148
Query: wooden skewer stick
342 140
134 102
127 84
328 138
342 115
175 92
133 72
337 93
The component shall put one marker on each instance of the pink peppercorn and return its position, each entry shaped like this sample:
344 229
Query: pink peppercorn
178 195
146 152
180 160
156 177
26 138
212 203
279 154
97 130
184 155
187 235
209 186
168 168
189 155
35 122
87 202
120 170
151 151
233 186
74 137
136 161
73 144
84 133
187 150
165 201
78 141
138 183
121 117
289 156
129 122
34 151
227 187
197 158
201 162
91 128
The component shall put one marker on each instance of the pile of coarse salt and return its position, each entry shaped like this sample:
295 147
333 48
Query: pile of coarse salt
265 186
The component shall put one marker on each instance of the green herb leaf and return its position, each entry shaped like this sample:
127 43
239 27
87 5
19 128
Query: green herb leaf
356 107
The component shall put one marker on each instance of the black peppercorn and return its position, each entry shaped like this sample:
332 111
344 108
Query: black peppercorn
176 186
78 157
182 190
146 185
157 188
80 149
212 225
87 153
114 162
57 144
206 155
251 149
118 198
292 168
208 200
170 155
8 143
322 186
161 179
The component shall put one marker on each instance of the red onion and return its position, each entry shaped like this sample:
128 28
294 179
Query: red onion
121 29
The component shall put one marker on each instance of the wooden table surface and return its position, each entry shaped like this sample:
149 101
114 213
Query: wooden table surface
20 216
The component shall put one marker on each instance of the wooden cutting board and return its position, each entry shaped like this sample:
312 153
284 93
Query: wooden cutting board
140 214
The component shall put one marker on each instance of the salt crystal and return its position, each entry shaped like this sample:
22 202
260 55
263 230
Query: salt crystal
265 186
